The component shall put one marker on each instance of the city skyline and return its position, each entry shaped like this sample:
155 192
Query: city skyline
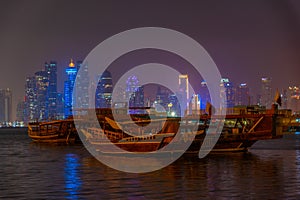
42 100
247 40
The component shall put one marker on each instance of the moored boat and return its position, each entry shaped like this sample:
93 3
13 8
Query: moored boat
57 131
239 133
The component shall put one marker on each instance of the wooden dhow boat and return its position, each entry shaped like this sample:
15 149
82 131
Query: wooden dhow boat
57 131
239 133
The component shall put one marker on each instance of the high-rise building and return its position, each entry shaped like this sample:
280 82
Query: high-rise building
82 85
132 84
71 72
51 101
5 105
103 96
31 107
184 91
137 98
229 91
204 95
242 95
194 104
294 99
41 94
42 82
266 92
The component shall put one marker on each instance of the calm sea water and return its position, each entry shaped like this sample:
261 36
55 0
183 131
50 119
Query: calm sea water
270 170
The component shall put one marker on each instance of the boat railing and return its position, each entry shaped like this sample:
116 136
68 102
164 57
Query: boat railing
46 128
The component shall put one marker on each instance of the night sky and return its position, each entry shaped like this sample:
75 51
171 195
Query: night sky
246 39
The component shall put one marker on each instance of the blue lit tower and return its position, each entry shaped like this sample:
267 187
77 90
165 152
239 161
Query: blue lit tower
134 92
137 98
51 103
132 84
104 91
71 72
204 95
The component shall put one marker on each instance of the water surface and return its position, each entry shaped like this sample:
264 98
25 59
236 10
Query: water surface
270 170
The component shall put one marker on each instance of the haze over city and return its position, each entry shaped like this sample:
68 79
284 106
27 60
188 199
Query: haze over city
247 40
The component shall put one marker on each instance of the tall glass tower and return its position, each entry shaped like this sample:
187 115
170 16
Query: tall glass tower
132 84
229 91
71 72
51 101
30 99
183 91
41 78
204 95
82 93
104 91
266 92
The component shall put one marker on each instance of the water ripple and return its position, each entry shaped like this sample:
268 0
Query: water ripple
35 171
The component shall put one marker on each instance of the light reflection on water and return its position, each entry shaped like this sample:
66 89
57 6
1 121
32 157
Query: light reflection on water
72 176
34 171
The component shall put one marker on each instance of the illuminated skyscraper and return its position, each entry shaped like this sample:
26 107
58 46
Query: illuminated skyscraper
41 78
204 95
137 98
41 94
5 105
183 91
132 84
134 94
51 101
82 85
266 92
31 112
104 91
194 104
229 91
71 72
294 98
242 95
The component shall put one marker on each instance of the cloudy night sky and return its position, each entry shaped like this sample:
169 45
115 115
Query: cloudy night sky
246 39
